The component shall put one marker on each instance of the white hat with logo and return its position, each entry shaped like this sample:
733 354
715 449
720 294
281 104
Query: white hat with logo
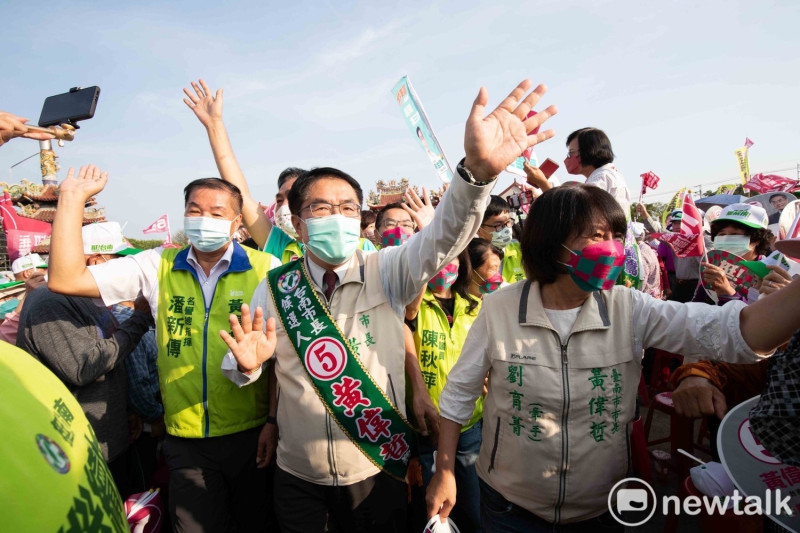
106 238
750 215
27 262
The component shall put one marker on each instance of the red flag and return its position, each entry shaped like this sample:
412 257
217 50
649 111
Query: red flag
689 242
763 183
692 224
159 226
747 142
683 245
649 180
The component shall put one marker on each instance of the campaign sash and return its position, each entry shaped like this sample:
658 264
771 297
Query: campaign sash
357 404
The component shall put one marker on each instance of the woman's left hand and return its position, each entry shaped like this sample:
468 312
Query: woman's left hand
714 278
777 279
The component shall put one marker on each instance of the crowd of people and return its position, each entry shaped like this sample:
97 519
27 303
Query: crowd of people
310 377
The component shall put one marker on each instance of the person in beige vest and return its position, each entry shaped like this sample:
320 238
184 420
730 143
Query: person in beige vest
564 349
324 482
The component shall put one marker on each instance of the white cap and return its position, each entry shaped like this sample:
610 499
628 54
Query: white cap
27 262
750 215
106 238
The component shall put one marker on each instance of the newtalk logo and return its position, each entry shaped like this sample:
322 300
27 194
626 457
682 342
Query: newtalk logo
632 502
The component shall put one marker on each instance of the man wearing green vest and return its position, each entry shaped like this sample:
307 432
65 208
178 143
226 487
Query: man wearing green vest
496 228
335 326
212 425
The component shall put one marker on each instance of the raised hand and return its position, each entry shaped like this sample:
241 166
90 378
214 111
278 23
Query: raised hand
536 177
89 181
206 105
421 210
250 344
491 143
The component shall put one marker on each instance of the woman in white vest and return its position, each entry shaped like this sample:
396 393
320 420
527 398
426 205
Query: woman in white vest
564 353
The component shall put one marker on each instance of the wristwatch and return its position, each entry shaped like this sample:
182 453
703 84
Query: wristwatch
469 178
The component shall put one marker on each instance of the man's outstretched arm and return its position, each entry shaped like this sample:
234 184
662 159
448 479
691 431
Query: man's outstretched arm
207 107
67 272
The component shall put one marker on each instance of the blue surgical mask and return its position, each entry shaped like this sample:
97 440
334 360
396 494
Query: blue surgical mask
207 234
333 238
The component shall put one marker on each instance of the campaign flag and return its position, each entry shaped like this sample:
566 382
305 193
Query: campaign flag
159 226
673 204
725 189
689 242
417 121
650 180
744 166
764 183
682 245
747 142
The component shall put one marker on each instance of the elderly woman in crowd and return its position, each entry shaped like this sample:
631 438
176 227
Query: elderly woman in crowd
741 229
564 349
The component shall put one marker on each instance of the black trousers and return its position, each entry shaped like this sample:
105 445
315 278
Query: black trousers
376 504
214 485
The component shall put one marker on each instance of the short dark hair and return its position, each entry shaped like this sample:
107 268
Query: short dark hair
557 215
216 184
478 247
594 147
289 173
297 195
368 217
382 212
777 195
497 206
761 237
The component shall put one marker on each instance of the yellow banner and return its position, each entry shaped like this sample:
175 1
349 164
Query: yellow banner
744 166
726 189
675 203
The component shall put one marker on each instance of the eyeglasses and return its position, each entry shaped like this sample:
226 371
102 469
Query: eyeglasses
571 153
405 224
500 225
324 209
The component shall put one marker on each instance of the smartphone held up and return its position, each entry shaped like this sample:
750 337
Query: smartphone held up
70 107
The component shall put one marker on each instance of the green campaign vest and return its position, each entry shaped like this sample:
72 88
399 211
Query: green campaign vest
512 263
199 401
53 477
438 345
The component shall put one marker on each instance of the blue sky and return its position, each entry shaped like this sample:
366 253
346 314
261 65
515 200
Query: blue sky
677 86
